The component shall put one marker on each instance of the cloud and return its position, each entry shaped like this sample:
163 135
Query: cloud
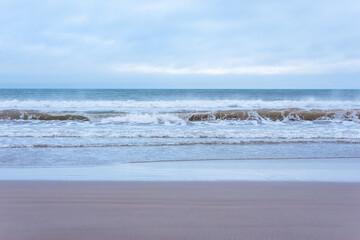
82 38
162 7
180 38
310 67
76 20
44 49
252 70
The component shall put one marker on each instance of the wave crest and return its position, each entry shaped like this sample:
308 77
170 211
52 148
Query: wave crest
278 115
36 115
263 115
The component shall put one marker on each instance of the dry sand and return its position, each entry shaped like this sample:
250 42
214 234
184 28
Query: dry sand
179 210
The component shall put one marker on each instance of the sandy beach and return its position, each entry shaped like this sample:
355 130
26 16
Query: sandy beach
39 210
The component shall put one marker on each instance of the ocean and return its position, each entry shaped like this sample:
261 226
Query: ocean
216 134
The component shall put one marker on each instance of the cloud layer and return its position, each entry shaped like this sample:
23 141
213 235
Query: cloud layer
178 38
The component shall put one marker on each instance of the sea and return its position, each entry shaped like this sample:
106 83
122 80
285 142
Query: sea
178 134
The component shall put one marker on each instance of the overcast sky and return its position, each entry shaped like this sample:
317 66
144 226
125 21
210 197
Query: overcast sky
180 44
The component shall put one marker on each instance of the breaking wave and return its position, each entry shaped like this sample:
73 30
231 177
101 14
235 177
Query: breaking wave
283 115
36 115
279 115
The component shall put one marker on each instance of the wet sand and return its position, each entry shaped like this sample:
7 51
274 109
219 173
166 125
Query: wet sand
178 210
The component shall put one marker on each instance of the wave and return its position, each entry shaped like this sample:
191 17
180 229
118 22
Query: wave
36 115
279 115
116 105
109 145
282 115
247 132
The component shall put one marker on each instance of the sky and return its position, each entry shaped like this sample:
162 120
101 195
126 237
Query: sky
179 44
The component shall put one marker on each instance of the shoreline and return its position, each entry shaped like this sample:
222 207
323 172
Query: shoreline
277 170
178 210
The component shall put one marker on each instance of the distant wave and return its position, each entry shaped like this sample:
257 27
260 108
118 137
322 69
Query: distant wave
289 114
175 105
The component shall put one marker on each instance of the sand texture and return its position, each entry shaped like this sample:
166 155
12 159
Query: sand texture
178 210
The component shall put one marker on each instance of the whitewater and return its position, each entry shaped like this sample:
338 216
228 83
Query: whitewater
72 128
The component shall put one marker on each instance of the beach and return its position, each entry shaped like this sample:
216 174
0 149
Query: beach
179 120
158 164
178 210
